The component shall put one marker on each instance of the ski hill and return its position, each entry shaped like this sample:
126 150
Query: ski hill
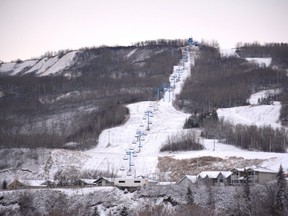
114 143
142 146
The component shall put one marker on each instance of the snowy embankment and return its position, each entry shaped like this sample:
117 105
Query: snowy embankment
41 67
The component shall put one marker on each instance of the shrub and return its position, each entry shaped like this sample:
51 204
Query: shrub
182 142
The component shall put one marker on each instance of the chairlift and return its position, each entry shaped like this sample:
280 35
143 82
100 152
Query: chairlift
137 150
134 141
131 147
141 125
144 117
132 163
140 145
134 154
125 157
122 168
142 138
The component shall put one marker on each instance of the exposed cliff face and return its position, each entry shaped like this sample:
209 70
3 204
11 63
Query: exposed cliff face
73 61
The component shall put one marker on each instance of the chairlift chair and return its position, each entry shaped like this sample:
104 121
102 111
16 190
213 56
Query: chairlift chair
125 157
122 168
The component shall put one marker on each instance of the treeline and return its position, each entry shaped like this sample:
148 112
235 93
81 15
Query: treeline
277 51
162 42
104 78
219 82
251 137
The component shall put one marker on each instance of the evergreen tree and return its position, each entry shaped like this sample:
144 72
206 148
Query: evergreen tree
124 211
96 212
4 185
280 207
247 193
189 196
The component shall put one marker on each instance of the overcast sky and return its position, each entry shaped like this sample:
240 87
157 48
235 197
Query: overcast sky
29 28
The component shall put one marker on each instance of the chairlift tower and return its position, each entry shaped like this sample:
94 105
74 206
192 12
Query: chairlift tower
130 153
149 114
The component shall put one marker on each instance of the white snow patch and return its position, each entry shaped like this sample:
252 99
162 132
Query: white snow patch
262 62
253 100
131 53
7 67
21 66
263 115
61 64
43 65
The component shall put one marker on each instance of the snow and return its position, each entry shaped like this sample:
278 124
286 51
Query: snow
63 63
253 100
43 65
7 67
262 115
21 66
266 62
209 174
254 114
131 53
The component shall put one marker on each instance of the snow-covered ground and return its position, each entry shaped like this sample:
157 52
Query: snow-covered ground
262 62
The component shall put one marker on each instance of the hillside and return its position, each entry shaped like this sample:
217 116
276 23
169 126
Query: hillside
67 98
113 143
189 78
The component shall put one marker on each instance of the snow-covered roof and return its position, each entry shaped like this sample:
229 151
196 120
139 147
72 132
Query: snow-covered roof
88 181
209 174
165 183
107 179
226 174
255 169
33 183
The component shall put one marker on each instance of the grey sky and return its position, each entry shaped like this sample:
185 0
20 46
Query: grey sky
29 28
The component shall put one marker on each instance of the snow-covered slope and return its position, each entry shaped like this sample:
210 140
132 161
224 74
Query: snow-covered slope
109 154
254 114
42 67
114 142
262 62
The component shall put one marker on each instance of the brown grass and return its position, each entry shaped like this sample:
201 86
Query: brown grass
175 169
